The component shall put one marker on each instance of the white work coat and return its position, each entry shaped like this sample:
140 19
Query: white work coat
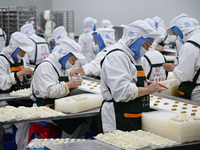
45 83
189 63
178 47
7 78
88 47
94 66
42 49
158 73
162 31
120 74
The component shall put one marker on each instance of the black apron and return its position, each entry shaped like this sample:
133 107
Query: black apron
128 114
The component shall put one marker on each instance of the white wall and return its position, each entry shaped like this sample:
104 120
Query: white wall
126 11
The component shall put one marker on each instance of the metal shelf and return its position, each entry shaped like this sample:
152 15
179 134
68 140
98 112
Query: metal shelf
13 17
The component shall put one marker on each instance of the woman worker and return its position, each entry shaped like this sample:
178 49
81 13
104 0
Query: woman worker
123 83
188 68
103 38
50 80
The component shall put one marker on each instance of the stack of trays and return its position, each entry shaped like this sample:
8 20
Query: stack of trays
78 103
179 127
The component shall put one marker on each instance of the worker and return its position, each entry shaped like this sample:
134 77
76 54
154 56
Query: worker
155 45
188 68
2 39
179 44
123 83
152 63
86 40
49 25
104 38
50 81
59 34
15 74
160 29
106 24
40 46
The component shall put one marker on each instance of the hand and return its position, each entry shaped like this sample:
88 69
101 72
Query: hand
25 71
72 72
156 87
75 82
159 48
168 67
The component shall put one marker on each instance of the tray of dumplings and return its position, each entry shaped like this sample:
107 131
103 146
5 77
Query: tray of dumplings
135 140
21 93
174 106
90 86
40 143
10 113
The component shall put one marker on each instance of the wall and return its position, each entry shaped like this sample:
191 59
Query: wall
41 5
126 11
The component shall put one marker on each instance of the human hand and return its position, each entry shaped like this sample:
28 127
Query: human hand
168 67
72 72
75 82
156 87
25 71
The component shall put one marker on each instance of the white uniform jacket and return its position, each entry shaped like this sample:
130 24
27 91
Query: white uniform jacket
94 66
157 73
42 48
7 78
120 74
88 47
45 83
189 63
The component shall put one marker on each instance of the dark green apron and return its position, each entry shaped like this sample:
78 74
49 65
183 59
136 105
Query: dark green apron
37 43
49 102
128 114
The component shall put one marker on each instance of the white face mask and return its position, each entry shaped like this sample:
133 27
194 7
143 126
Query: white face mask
19 58
68 65
97 47
142 51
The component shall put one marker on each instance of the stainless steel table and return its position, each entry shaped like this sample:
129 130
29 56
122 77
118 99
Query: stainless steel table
7 97
84 145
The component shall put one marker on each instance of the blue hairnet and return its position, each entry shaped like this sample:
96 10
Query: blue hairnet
135 47
14 54
94 28
178 31
64 59
100 41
